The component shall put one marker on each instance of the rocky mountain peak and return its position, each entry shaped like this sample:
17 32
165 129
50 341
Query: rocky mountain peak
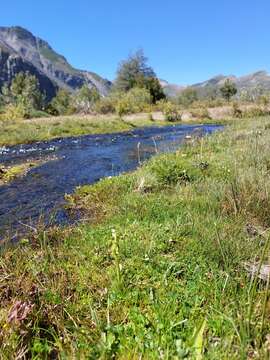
20 50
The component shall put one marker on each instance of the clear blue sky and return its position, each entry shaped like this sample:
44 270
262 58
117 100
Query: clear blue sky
185 41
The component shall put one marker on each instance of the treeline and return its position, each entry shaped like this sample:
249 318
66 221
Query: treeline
215 96
136 89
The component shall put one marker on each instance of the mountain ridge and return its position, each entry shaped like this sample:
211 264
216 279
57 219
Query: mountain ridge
20 50
259 78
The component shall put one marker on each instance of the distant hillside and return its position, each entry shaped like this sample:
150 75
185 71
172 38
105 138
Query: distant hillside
171 90
257 79
20 50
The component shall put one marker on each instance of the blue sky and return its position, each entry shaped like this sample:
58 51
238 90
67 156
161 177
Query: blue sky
185 41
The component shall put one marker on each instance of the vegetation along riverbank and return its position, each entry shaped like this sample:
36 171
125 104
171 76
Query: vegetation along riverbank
158 266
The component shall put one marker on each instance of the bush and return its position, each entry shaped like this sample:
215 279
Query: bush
170 111
134 101
123 107
15 112
171 169
62 103
105 105
139 99
38 114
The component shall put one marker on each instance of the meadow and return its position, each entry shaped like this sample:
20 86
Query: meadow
24 131
157 268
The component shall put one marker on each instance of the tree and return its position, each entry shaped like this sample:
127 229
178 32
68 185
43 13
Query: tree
132 70
228 89
86 98
135 72
24 92
188 96
22 96
152 84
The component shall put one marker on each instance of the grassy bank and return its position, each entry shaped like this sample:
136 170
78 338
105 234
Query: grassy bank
9 173
27 131
156 270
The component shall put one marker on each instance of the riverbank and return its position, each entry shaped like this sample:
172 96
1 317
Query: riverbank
10 173
157 268
28 131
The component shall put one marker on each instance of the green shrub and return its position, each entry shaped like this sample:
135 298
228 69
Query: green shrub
38 114
170 111
62 103
171 169
139 99
134 101
123 107
105 105
15 112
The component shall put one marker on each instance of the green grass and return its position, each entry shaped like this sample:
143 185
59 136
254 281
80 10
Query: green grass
7 174
27 131
155 271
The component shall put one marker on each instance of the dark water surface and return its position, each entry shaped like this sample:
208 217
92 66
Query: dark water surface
79 161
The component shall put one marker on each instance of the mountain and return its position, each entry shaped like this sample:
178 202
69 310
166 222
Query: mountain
20 51
170 90
248 82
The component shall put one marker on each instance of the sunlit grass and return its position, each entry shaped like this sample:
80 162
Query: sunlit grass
27 131
155 271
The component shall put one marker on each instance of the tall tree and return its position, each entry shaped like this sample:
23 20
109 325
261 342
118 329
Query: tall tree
24 91
132 69
135 72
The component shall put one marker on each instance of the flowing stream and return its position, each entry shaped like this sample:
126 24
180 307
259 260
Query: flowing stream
77 161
